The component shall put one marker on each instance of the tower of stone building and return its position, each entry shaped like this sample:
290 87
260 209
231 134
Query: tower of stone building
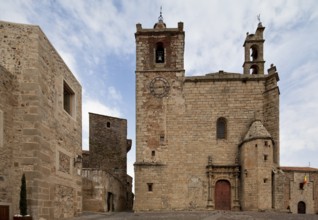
108 145
159 73
254 52
257 163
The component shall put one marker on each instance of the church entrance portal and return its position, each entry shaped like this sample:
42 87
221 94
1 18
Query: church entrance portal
222 195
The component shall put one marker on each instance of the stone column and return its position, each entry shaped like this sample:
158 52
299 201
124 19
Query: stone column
236 205
209 174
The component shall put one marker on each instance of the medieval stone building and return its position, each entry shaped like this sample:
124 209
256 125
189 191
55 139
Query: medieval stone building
212 141
40 126
106 185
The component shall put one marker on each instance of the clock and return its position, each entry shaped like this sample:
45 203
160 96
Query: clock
159 87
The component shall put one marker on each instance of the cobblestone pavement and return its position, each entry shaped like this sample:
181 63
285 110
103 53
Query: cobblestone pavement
212 215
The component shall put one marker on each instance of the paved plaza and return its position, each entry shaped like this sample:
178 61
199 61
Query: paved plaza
212 215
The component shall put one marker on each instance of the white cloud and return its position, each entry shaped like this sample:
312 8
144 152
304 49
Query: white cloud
114 94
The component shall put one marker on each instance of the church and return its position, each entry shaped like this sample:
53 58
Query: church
211 142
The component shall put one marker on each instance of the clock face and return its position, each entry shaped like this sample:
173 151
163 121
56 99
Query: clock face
159 87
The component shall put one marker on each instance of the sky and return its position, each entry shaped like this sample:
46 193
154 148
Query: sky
96 40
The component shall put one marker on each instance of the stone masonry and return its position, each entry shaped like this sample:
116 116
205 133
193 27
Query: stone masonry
106 185
205 142
40 125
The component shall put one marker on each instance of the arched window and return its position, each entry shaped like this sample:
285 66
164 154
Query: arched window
160 53
221 128
254 52
254 69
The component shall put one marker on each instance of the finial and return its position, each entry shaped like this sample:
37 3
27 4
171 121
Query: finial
160 17
259 20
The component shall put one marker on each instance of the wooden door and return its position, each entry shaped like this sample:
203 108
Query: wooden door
222 195
302 208
4 212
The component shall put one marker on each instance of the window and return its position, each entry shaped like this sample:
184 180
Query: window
150 187
160 53
254 69
153 153
265 157
162 139
68 99
254 52
1 129
221 128
108 124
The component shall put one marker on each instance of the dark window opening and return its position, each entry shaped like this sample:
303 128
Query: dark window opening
265 180
108 124
265 157
153 153
68 99
221 128
254 69
150 187
254 53
162 139
301 186
266 143
160 53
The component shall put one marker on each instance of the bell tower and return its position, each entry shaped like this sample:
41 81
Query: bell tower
159 80
254 56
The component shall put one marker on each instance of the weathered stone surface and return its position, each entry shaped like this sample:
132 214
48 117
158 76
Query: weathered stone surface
106 185
35 125
181 162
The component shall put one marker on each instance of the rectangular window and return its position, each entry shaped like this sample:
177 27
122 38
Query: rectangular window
162 139
1 129
68 99
265 157
150 187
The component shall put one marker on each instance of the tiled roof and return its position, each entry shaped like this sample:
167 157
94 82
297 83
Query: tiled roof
303 169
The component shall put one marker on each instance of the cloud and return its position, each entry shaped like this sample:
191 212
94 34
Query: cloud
114 94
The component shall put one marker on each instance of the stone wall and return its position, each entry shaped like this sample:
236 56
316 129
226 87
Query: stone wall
103 192
38 133
106 185
176 125
295 193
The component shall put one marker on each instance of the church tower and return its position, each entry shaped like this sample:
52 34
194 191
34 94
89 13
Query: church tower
254 56
159 78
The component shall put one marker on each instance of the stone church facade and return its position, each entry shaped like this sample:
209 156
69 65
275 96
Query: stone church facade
212 141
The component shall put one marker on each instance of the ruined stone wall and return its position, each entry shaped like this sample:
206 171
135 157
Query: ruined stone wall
46 137
103 192
108 144
105 183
